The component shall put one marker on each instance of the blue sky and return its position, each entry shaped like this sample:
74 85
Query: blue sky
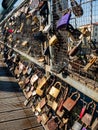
86 18
2 10
17 3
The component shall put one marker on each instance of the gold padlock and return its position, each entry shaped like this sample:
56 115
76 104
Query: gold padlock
21 27
53 40
91 62
24 43
35 19
54 91
85 32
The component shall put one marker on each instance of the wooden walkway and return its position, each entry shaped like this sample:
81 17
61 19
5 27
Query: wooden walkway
13 114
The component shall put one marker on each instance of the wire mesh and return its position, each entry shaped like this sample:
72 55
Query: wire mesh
88 18
60 56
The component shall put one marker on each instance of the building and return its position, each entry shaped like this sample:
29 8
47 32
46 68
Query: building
94 30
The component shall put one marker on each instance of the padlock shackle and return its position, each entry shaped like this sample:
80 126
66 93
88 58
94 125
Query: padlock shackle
75 93
93 108
59 83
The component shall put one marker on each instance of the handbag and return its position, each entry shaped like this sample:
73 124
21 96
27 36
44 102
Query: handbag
69 102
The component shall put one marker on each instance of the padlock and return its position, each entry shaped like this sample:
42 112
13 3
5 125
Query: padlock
41 3
52 124
33 79
84 128
16 71
95 125
64 20
44 118
82 112
76 8
76 126
91 62
24 43
53 40
59 111
44 8
39 92
41 104
35 19
47 28
86 32
39 89
55 90
87 118
70 103
29 94
21 67
75 49
54 105
21 27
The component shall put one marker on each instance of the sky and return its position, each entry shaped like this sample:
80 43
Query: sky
17 3
89 16
4 12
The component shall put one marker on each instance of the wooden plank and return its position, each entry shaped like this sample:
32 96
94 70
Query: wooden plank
4 94
15 115
19 124
37 128
9 107
10 79
12 100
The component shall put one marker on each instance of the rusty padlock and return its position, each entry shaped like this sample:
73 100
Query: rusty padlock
52 124
69 102
87 118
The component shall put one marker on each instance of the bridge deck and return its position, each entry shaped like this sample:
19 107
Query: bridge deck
13 114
